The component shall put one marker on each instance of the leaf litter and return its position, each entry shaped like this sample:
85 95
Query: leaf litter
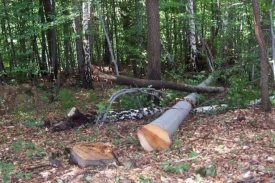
233 146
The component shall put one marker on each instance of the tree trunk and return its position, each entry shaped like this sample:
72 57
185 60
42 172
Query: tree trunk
272 36
49 8
157 84
43 64
266 105
9 34
108 42
158 133
66 41
86 44
79 45
192 36
2 70
153 44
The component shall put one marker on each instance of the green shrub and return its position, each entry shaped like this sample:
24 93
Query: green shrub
241 92
66 98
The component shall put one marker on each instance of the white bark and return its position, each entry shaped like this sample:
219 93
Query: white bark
86 11
192 36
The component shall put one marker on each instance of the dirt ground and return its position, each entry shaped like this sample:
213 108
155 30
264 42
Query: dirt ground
232 146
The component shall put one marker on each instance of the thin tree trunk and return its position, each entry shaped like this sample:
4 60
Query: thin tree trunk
108 42
266 105
2 70
192 36
43 64
272 37
86 44
115 30
79 45
157 84
10 35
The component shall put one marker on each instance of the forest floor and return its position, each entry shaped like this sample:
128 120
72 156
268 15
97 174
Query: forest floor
232 146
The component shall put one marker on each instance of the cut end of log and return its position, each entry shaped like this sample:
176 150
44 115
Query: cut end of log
91 154
152 137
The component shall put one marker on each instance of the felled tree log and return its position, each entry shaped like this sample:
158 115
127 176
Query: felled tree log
158 133
92 154
76 118
157 84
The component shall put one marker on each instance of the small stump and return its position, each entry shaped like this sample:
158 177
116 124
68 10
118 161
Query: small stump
92 154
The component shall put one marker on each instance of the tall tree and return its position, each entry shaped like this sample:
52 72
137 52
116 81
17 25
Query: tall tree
266 106
153 40
49 8
79 45
43 64
192 35
86 13
9 33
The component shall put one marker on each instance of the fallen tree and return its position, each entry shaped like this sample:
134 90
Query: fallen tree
157 84
158 133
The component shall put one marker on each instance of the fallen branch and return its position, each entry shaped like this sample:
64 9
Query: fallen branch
157 84
147 91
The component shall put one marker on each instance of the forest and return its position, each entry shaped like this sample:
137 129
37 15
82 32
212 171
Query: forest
137 91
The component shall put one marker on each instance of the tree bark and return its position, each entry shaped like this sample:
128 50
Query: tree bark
79 45
153 44
158 133
43 64
157 84
86 11
192 36
49 8
265 102
2 70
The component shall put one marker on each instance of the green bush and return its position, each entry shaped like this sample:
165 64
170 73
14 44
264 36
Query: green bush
241 92
66 98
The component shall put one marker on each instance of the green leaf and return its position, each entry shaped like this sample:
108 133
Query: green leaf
192 154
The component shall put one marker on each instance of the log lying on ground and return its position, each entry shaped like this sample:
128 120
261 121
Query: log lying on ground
75 118
157 84
158 133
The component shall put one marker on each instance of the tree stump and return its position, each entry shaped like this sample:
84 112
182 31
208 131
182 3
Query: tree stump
92 154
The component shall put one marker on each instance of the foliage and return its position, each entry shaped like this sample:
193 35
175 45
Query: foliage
241 92
66 98
192 154
143 179
24 72
17 145
6 169
134 101
31 123
168 166
211 170
126 25
26 176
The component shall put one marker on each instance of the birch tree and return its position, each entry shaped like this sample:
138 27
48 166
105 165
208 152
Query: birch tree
192 35
86 11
